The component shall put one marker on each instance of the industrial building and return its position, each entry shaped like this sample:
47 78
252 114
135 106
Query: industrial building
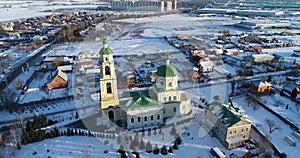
251 13
263 25
143 5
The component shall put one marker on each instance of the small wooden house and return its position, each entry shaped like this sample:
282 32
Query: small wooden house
292 89
60 80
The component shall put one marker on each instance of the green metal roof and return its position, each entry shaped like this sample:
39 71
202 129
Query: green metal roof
225 115
167 71
106 51
144 102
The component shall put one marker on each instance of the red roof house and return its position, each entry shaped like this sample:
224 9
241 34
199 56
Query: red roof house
60 80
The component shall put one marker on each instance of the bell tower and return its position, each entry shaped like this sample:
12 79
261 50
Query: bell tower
109 99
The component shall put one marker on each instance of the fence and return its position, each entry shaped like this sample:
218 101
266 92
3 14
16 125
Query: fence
48 101
266 141
294 127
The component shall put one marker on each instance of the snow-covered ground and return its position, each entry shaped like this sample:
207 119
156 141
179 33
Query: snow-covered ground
132 47
149 41
278 104
78 146
13 10
258 118
286 52
68 147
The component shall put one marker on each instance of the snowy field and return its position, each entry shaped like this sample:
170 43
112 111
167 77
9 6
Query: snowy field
68 147
278 103
286 52
258 118
132 47
34 8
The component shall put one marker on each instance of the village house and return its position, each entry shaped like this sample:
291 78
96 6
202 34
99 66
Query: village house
60 80
59 60
196 55
85 64
292 89
234 52
259 58
231 128
206 66
260 87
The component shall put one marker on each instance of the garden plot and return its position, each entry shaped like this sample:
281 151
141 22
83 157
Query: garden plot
283 106
36 90
259 118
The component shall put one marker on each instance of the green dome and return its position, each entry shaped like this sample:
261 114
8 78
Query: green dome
106 51
167 71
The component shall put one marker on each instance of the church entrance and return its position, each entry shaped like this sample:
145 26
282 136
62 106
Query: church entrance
111 115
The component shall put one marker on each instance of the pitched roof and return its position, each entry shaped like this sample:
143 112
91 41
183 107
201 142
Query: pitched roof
223 113
262 84
62 75
206 63
144 103
290 87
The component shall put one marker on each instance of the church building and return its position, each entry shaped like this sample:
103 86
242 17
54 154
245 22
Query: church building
142 108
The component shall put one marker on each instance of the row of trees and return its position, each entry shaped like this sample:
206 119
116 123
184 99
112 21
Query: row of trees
140 144
34 130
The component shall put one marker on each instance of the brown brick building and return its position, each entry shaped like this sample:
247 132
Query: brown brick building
260 87
60 80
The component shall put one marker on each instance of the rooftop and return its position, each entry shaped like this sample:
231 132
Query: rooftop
167 71
224 113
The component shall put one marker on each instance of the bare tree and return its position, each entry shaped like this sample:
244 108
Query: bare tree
254 102
271 125
7 98
57 61
4 64
19 83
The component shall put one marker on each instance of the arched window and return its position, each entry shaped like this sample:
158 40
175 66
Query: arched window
158 117
170 98
106 59
151 117
139 119
132 120
108 88
145 118
107 70
174 98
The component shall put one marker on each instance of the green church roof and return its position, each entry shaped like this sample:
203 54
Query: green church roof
106 51
167 71
144 102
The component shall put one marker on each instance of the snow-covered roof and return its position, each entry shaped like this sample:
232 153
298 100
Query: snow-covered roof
262 84
290 87
234 140
225 114
263 56
206 63
62 75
